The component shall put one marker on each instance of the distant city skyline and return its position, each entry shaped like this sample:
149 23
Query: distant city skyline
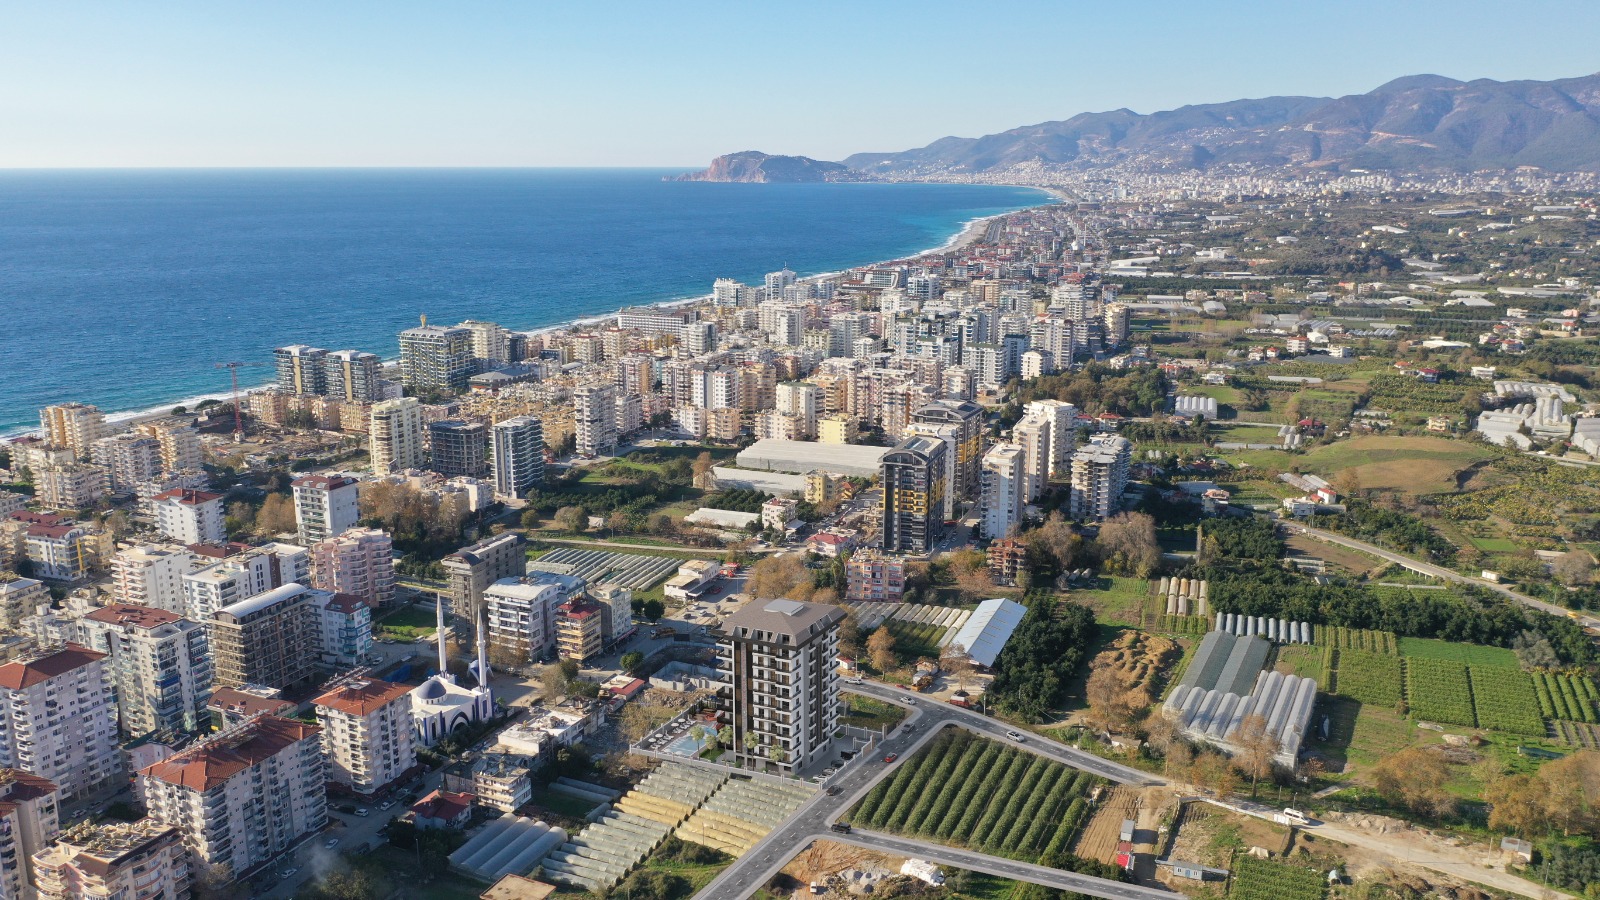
488 84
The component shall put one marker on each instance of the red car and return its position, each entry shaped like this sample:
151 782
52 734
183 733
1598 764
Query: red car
891 757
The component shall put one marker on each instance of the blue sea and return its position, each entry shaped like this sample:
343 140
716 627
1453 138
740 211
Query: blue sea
125 288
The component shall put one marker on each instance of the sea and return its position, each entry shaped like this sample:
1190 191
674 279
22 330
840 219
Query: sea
126 288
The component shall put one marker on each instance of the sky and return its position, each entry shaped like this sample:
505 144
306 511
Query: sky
629 83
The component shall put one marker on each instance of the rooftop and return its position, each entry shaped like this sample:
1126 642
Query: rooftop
228 753
131 614
188 496
46 665
359 698
795 618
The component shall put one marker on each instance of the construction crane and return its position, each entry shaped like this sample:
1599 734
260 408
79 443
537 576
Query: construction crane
238 420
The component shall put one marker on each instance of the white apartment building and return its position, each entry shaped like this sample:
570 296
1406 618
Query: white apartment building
128 459
1062 421
190 517
346 629
58 719
160 665
522 616
74 426
151 575
68 486
30 818
595 415
1099 476
60 552
19 598
782 694
1005 484
325 505
360 562
518 449
395 436
244 795
143 860
241 576
367 734
180 443
799 399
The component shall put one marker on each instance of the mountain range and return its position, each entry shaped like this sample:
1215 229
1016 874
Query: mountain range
1423 123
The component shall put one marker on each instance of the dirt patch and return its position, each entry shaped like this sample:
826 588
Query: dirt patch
1145 658
1208 835
1099 840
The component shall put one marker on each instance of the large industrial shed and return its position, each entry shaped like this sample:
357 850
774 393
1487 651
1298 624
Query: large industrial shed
987 630
1226 683
800 457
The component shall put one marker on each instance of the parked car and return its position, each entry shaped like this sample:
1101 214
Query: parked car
290 873
331 843
363 812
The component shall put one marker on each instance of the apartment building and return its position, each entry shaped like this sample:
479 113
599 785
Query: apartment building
19 598
522 618
353 376
273 638
151 575
237 576
69 485
58 719
64 552
143 860
179 440
301 369
436 358
74 426
30 818
367 733
870 575
782 693
458 448
580 629
470 570
1099 476
160 665
914 486
244 795
518 455
325 505
346 630
359 562
1005 485
395 436
128 459
189 516
595 415
969 421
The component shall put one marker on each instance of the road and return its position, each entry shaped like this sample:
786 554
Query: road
1427 568
813 820
707 552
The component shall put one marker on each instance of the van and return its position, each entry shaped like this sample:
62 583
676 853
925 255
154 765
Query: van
853 680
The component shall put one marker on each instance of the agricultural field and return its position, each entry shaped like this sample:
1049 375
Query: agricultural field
1143 658
915 640
1504 700
1438 691
1355 639
1471 654
1116 600
1265 879
1405 394
1414 464
1306 662
1568 697
964 790
1372 678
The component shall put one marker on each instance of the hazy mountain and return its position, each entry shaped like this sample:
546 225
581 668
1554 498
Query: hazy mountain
752 165
1420 122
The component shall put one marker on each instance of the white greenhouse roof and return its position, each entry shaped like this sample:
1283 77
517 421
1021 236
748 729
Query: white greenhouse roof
988 629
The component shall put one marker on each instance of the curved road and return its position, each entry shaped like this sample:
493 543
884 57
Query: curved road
813 820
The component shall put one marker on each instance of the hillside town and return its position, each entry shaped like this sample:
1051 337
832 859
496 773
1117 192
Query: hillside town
1134 545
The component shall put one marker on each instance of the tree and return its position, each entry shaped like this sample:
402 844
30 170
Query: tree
881 647
618 521
954 661
1112 698
1575 568
1515 804
1257 747
1571 790
553 678
1179 762
350 885
631 661
1415 778
644 714
572 519
654 610
276 515
1056 541
704 479
780 575
241 517
1127 544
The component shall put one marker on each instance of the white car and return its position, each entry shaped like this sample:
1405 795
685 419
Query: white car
1015 736
853 680
363 812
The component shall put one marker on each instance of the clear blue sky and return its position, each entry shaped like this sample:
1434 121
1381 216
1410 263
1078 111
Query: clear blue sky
585 83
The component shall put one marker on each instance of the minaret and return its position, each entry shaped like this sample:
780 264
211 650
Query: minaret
483 647
444 654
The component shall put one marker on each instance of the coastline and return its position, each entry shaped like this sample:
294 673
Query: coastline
970 232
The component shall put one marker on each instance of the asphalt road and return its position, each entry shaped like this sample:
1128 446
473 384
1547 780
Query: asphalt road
813 820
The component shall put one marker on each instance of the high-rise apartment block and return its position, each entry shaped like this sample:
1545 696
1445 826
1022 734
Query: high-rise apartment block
243 796
189 516
353 376
30 818
968 419
73 426
274 638
470 570
69 486
518 455
521 617
238 576
491 344
1004 490
580 629
143 860
151 575
595 415
58 719
782 695
395 436
1099 476
325 505
160 663
914 488
19 598
870 575
367 733
436 358
458 448
128 459
179 440
302 369
359 562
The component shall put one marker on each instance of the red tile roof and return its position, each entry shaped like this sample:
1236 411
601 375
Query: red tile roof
19 786
217 760
188 496
362 697
131 614
54 532
346 603
237 701
20 674
446 805
323 482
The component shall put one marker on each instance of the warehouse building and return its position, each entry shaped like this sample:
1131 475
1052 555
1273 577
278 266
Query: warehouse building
800 457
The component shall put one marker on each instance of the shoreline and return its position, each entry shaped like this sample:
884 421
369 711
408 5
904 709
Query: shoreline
970 232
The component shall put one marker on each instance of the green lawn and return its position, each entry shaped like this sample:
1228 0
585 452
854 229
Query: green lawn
1471 654
407 623
1493 545
1116 600
867 712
